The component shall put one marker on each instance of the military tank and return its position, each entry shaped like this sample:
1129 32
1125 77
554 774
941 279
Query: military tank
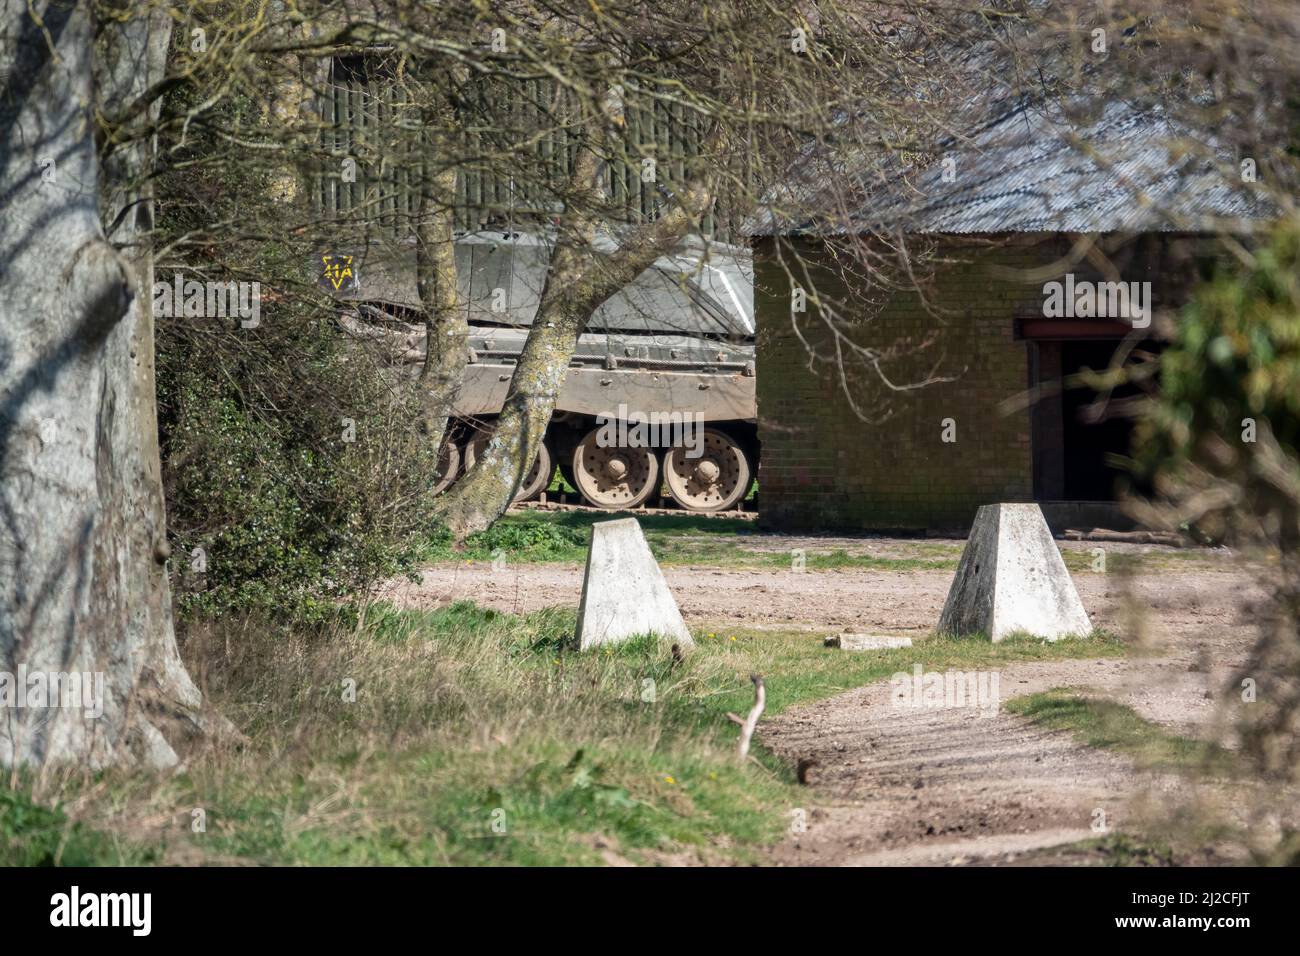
660 393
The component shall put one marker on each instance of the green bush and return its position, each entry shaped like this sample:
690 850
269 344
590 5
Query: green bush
290 460
293 456
1223 440
1235 356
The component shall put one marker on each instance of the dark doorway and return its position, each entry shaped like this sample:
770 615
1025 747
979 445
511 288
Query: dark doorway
1088 444
1074 450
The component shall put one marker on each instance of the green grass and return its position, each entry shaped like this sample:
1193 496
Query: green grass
35 834
687 551
686 539
1120 562
1113 726
478 737
1114 849
561 537
798 669
466 718
1119 849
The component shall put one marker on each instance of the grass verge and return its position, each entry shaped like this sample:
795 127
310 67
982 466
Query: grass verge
561 537
465 736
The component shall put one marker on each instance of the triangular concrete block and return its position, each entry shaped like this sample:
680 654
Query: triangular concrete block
1011 579
624 593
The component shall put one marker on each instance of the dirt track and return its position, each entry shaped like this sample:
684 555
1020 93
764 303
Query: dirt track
1191 595
906 786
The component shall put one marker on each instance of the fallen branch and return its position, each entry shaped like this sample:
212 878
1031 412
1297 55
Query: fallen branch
1170 538
748 724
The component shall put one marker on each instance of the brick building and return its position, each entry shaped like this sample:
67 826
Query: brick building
997 220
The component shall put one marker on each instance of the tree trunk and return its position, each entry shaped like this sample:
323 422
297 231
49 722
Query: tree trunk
483 495
83 586
446 326
578 282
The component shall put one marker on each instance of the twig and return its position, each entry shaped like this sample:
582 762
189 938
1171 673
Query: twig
748 725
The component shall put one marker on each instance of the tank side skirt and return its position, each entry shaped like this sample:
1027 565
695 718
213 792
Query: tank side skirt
730 397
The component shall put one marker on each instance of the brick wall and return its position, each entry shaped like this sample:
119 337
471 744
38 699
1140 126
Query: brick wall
823 466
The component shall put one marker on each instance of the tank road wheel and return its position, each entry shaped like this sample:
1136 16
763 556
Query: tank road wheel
539 476
715 481
614 477
448 469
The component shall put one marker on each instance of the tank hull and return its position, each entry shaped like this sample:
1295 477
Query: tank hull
677 343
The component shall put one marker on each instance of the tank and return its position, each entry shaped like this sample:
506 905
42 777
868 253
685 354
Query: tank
659 395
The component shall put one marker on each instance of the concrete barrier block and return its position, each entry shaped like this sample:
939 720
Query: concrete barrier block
1011 579
624 593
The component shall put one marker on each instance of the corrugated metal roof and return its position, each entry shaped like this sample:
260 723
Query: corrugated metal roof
1033 169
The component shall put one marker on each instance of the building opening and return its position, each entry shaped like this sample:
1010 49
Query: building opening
1092 437
1077 446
